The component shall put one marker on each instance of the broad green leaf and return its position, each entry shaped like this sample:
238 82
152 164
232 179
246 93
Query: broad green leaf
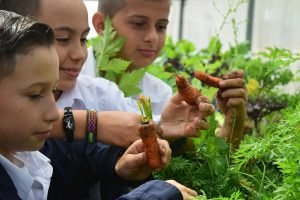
116 65
102 61
129 82
115 46
110 75
106 47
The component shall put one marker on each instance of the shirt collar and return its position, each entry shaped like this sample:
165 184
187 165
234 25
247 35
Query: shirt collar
23 177
68 98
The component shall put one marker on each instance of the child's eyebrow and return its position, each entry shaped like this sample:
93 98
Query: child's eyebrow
41 83
145 17
164 20
68 29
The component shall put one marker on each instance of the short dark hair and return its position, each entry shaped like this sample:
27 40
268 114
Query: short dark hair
110 7
19 35
21 7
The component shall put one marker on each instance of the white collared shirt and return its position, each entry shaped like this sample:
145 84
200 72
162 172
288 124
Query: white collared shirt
158 91
96 93
32 178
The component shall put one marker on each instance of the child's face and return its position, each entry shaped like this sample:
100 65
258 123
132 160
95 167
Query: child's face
143 23
69 20
27 104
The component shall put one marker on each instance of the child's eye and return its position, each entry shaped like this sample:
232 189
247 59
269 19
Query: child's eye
35 96
62 40
83 40
138 24
161 28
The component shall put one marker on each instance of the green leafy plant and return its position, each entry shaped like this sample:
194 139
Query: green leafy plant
262 168
252 171
207 168
271 164
265 71
106 48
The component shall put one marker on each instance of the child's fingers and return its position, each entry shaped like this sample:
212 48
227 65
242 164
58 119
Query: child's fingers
136 147
132 160
202 99
192 129
186 192
165 152
190 193
158 129
202 124
236 102
176 99
139 159
234 93
232 83
235 74
205 109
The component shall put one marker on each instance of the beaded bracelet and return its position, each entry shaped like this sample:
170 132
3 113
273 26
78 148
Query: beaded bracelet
91 128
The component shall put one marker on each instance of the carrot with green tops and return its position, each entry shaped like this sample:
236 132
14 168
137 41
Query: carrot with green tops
188 92
147 132
208 79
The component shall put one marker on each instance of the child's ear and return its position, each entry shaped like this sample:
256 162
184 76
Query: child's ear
98 22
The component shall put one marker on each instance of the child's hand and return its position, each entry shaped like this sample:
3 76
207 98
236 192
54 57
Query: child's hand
232 93
179 119
232 101
133 163
186 192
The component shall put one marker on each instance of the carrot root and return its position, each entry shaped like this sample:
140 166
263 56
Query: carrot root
151 147
188 92
208 79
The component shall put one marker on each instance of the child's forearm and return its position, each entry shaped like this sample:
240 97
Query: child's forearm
233 128
118 128
113 127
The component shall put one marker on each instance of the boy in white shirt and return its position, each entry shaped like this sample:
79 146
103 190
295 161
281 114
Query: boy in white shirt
143 24
28 77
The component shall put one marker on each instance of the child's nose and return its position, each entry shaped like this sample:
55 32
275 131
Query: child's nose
78 52
151 35
51 113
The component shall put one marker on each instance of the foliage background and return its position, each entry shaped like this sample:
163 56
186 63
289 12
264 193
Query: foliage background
266 166
259 168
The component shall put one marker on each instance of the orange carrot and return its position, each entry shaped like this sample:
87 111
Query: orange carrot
208 79
147 132
151 147
188 92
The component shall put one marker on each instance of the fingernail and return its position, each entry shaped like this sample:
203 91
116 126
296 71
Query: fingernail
221 84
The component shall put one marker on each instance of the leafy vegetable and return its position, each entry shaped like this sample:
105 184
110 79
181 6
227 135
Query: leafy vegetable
106 48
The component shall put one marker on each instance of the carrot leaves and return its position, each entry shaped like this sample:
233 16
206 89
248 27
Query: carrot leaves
144 105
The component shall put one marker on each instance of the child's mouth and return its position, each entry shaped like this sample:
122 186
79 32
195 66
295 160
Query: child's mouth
147 52
73 73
